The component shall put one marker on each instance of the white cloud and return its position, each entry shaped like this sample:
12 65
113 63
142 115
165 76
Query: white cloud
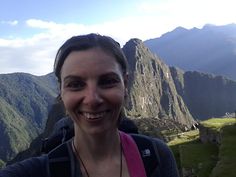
12 23
36 54
22 56
36 23
189 13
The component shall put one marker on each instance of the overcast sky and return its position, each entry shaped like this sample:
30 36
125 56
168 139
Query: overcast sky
31 31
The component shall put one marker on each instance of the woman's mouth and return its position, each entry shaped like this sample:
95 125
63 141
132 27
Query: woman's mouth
93 116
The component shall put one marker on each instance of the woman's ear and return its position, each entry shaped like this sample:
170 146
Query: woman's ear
126 77
126 84
60 90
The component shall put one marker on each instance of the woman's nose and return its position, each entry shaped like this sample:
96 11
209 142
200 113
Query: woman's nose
92 97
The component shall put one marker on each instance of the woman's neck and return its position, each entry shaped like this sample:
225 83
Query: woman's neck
99 146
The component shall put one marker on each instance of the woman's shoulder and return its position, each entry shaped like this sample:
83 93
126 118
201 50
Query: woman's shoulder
160 154
34 166
158 143
141 139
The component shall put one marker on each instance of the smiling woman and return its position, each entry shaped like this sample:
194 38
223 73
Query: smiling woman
92 73
92 97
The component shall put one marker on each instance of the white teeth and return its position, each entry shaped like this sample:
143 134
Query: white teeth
94 115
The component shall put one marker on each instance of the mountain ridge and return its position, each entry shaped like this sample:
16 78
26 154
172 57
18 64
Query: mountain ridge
210 49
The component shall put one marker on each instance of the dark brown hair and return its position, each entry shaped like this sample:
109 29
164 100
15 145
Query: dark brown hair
85 42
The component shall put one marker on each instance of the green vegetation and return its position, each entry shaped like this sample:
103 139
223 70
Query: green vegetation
193 157
2 164
16 130
227 153
180 139
185 137
198 159
24 104
218 123
207 160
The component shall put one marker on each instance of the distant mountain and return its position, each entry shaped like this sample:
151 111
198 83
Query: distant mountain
24 104
205 95
211 49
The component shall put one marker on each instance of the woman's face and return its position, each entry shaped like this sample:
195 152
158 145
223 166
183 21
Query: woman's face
92 90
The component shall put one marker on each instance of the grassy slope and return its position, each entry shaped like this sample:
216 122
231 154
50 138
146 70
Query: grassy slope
195 157
199 159
227 153
15 129
24 104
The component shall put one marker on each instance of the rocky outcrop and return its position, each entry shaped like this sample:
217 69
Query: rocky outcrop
209 135
152 91
205 95
56 113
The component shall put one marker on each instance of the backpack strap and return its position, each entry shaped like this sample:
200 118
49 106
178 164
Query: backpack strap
59 162
149 153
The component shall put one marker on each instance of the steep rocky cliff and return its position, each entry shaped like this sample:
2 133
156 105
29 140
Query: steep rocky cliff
205 95
152 91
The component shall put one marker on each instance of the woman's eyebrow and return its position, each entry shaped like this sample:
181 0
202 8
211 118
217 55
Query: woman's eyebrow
72 77
110 74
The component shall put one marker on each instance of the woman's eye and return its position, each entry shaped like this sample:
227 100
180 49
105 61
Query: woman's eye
75 85
109 82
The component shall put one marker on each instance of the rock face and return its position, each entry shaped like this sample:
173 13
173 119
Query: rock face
205 95
56 113
208 135
152 91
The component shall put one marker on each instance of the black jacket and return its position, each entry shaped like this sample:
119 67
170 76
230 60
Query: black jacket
42 166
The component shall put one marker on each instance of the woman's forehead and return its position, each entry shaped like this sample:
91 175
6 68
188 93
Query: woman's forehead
93 60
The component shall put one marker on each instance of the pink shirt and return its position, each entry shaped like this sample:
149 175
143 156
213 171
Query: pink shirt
132 156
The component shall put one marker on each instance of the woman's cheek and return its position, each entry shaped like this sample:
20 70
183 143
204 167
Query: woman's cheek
69 101
117 97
